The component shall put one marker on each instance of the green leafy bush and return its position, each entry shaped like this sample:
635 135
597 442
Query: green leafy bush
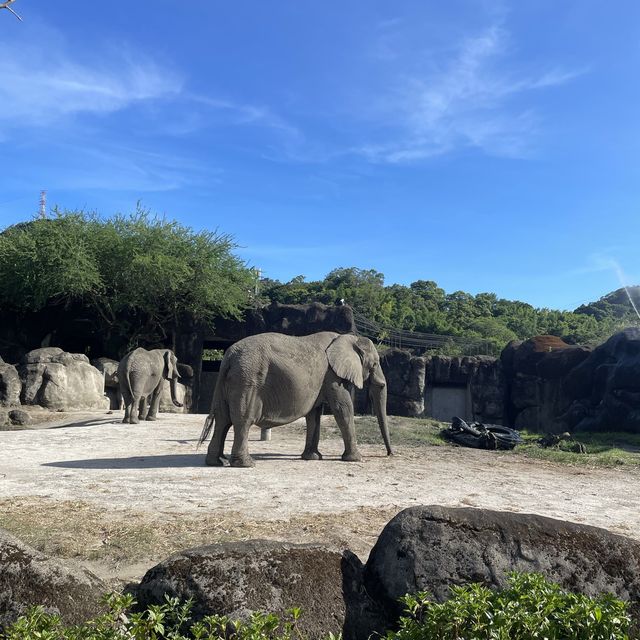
169 621
530 607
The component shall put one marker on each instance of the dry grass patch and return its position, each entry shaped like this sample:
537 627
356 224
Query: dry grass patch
79 530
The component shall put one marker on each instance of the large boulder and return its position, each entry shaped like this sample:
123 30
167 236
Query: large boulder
535 371
432 548
605 387
28 578
61 381
10 385
238 578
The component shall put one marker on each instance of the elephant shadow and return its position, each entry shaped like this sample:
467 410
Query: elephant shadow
167 461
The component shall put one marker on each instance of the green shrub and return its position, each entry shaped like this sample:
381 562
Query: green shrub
169 621
530 607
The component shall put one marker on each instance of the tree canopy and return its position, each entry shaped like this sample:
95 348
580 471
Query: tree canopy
137 275
424 306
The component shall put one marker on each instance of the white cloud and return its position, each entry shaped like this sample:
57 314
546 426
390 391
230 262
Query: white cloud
41 85
464 101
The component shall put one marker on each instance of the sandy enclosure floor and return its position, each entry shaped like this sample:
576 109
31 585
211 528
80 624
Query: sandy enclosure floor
152 473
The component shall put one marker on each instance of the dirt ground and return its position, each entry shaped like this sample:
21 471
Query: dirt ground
119 498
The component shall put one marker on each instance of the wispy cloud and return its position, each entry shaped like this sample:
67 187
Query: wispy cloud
465 100
248 114
39 87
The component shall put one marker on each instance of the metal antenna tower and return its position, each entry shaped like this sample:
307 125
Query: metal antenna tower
43 204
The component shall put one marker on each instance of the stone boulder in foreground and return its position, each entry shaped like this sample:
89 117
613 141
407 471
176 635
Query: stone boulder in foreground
237 578
431 548
29 578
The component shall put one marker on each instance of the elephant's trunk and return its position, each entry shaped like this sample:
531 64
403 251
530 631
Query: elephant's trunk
174 392
378 395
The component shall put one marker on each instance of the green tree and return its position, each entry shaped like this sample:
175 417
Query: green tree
137 275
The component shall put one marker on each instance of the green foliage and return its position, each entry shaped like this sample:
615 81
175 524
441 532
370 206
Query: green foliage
169 621
425 307
137 275
529 607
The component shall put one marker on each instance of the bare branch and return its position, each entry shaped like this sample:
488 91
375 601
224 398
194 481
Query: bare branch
5 5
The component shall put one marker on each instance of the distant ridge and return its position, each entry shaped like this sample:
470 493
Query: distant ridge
614 305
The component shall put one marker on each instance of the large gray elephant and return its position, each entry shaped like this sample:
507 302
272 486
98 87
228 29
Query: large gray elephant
272 379
141 373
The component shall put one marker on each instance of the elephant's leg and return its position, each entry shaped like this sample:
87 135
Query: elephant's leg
155 403
144 408
215 452
342 407
138 409
313 435
128 401
240 451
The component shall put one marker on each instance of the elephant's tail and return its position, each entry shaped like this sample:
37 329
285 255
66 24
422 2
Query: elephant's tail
217 404
208 425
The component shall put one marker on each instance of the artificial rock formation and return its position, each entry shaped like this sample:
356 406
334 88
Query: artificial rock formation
405 374
10 385
61 381
483 378
603 391
535 371
28 578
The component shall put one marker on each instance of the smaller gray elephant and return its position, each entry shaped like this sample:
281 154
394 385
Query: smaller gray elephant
109 369
141 373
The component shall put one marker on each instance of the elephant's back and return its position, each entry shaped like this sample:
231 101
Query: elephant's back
285 372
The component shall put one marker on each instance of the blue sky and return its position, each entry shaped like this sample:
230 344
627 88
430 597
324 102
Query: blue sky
489 146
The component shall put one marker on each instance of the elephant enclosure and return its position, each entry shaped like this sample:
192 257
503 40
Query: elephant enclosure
119 498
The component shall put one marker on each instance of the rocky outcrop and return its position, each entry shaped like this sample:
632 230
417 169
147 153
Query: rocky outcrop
535 371
235 579
405 374
603 391
10 385
292 319
61 381
28 578
432 548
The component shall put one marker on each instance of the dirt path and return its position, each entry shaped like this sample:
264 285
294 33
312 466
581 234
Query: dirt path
102 491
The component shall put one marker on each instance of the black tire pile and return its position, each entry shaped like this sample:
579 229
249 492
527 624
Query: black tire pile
481 436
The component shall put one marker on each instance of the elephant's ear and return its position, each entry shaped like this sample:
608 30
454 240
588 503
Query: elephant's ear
344 358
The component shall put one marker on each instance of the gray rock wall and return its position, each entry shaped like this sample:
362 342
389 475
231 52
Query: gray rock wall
405 374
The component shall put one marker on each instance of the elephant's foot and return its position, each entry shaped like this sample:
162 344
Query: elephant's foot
216 461
242 461
151 418
311 455
352 456
134 421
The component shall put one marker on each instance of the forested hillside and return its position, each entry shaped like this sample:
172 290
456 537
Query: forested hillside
424 306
